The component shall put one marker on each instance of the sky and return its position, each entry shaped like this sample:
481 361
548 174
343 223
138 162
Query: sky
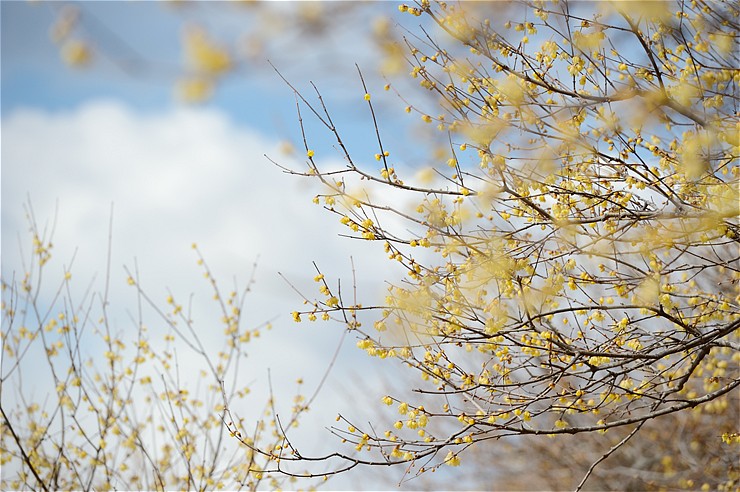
88 147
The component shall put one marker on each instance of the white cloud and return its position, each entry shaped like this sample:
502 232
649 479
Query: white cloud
186 176
189 175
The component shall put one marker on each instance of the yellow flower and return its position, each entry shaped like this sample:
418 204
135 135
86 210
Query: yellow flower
76 53
452 459
203 54
194 89
364 344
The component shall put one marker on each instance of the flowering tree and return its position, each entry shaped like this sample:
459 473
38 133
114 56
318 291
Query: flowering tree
573 265
89 405
211 57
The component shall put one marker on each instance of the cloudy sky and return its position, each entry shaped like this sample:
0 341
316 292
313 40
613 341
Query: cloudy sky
82 146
